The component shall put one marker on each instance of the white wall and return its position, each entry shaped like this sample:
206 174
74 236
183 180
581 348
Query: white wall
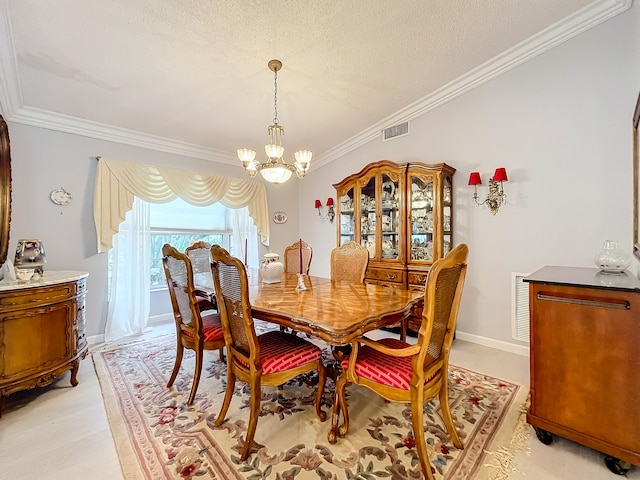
43 160
561 125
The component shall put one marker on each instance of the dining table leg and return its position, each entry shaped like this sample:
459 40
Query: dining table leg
334 371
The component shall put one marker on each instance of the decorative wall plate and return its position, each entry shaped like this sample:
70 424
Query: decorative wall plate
279 217
60 197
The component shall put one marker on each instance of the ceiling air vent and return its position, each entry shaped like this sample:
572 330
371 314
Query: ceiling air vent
396 131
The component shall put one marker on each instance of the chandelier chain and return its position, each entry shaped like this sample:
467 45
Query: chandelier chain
275 97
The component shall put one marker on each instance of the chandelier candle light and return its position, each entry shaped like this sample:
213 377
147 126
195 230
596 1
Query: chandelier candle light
275 169
496 196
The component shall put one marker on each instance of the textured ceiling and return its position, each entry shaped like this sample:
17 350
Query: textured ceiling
191 76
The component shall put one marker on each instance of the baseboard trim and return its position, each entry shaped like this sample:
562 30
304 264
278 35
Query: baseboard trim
92 340
153 320
490 342
157 319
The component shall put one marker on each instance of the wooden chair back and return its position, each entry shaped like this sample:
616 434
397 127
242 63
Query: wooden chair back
232 293
179 274
292 258
200 255
349 262
442 295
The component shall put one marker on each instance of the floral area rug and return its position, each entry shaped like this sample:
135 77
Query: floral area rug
158 436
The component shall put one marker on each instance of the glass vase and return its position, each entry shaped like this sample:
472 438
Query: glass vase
612 259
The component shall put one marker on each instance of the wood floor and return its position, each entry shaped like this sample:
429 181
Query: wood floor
61 433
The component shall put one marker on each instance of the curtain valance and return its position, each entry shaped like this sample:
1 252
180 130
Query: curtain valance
118 182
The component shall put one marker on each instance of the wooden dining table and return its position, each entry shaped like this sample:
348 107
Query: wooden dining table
335 312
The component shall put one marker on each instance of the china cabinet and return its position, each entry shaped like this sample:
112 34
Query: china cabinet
402 214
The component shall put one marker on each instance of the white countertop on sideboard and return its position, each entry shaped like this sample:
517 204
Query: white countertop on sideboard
50 277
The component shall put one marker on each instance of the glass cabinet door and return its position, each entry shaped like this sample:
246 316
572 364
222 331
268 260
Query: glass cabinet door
390 220
421 218
347 217
368 215
447 220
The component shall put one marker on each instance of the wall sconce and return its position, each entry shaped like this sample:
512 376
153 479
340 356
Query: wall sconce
30 254
330 212
496 196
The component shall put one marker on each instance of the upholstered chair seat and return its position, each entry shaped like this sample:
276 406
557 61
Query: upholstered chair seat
395 372
283 352
211 327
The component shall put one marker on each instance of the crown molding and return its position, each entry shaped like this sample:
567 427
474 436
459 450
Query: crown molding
14 110
37 117
581 21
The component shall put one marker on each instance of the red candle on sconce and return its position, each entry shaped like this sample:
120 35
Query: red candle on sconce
330 202
300 251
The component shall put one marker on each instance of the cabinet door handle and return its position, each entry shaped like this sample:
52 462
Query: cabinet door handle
422 279
391 276
588 303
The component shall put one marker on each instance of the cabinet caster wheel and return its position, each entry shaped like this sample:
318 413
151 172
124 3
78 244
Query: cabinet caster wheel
544 436
616 465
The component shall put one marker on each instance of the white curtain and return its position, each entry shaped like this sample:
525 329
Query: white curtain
129 295
118 182
244 235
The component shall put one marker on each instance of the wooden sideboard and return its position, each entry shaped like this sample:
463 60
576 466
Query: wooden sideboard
42 330
585 360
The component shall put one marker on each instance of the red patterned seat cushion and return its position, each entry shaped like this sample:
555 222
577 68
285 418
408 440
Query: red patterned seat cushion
281 351
211 327
395 372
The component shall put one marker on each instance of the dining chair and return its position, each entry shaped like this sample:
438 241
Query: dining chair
292 258
349 262
272 358
200 255
401 372
195 330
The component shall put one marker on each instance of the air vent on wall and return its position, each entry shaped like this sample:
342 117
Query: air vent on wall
520 308
396 131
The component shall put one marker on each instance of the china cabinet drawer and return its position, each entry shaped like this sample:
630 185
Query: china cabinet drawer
417 279
385 275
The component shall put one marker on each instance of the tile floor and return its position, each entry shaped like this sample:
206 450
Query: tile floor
61 433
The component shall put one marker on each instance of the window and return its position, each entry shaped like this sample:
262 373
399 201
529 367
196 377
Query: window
181 224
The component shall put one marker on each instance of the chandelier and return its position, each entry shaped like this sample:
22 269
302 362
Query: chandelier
275 169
